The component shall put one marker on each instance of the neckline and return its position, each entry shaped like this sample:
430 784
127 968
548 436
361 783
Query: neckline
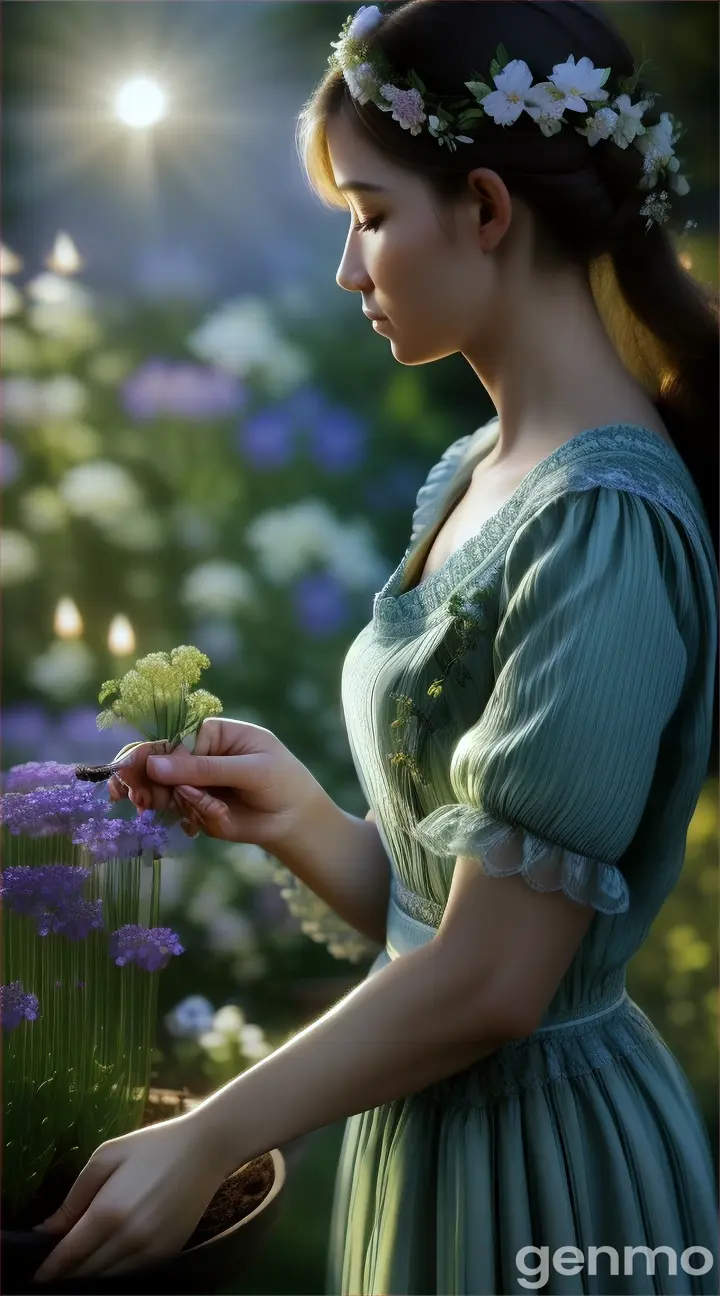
405 609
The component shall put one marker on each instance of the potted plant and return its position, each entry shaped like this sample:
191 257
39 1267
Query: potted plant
82 953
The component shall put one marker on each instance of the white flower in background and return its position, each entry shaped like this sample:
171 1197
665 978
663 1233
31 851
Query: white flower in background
194 529
79 330
71 440
229 1020
287 541
248 862
110 367
253 1042
192 1016
656 145
18 558
362 82
18 352
174 875
355 559
64 670
42 510
57 290
214 895
99 490
63 397
20 400
507 101
228 931
629 124
140 531
10 263
217 587
241 336
11 301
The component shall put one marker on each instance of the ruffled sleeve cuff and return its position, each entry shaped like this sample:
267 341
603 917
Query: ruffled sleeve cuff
503 850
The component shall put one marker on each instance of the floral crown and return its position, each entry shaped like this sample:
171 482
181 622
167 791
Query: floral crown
577 87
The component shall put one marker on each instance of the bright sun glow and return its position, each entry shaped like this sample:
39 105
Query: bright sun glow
140 103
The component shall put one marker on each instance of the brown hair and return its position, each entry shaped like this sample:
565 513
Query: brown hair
584 200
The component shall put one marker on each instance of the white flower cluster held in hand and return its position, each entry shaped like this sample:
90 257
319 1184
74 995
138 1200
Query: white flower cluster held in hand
573 86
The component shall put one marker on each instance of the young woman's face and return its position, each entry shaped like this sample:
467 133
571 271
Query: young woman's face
437 295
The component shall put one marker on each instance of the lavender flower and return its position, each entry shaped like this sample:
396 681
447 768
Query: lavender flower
321 604
16 1005
50 894
122 838
149 947
51 810
36 774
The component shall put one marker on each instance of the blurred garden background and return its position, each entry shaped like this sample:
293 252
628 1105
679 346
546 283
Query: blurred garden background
205 442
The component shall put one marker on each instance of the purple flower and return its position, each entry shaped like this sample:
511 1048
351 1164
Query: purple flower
50 894
78 726
51 810
337 441
122 838
149 947
306 405
36 774
26 727
168 388
321 604
267 439
16 1005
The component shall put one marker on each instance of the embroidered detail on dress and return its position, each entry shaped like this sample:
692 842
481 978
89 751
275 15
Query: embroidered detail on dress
656 472
417 906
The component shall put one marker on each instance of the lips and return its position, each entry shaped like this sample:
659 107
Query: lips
373 315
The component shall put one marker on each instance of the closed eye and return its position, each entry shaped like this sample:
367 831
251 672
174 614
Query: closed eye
371 224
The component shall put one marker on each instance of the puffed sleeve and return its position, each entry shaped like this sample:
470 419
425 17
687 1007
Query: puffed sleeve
589 663
442 473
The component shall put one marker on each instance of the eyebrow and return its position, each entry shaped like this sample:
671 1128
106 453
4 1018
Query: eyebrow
360 186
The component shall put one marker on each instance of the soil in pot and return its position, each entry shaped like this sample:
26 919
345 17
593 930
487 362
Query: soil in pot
236 1197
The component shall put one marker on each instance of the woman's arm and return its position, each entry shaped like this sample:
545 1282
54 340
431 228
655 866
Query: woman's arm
342 859
485 979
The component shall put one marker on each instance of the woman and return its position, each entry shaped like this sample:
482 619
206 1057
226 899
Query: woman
530 709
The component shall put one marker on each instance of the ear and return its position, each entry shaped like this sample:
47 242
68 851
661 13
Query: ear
493 204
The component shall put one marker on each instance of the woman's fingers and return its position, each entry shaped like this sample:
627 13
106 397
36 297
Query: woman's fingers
117 788
209 813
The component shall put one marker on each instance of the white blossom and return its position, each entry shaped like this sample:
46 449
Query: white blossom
629 124
656 145
64 670
362 82
42 510
579 81
287 541
365 21
18 558
139 530
240 337
507 101
99 490
217 587
11 301
18 352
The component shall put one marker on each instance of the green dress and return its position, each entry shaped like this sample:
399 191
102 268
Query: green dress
542 703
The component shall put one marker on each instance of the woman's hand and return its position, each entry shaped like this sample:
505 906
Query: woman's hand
136 1202
240 783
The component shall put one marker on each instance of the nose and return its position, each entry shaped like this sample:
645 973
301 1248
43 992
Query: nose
351 274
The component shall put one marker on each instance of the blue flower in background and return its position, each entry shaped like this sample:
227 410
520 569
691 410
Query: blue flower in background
306 405
9 463
321 604
219 638
396 489
26 727
337 441
268 438
81 738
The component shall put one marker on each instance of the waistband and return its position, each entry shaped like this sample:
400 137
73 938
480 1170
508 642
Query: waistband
405 933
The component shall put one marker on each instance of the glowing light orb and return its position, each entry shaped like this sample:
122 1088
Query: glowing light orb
140 103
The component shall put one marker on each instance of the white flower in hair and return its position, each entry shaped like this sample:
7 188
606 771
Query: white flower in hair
629 123
546 105
506 103
656 145
362 82
580 81
365 21
407 107
599 127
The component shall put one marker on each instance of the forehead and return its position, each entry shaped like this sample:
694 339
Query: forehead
353 159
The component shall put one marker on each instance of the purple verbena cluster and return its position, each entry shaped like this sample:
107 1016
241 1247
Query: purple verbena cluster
16 1006
122 838
51 810
37 774
50 894
149 947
